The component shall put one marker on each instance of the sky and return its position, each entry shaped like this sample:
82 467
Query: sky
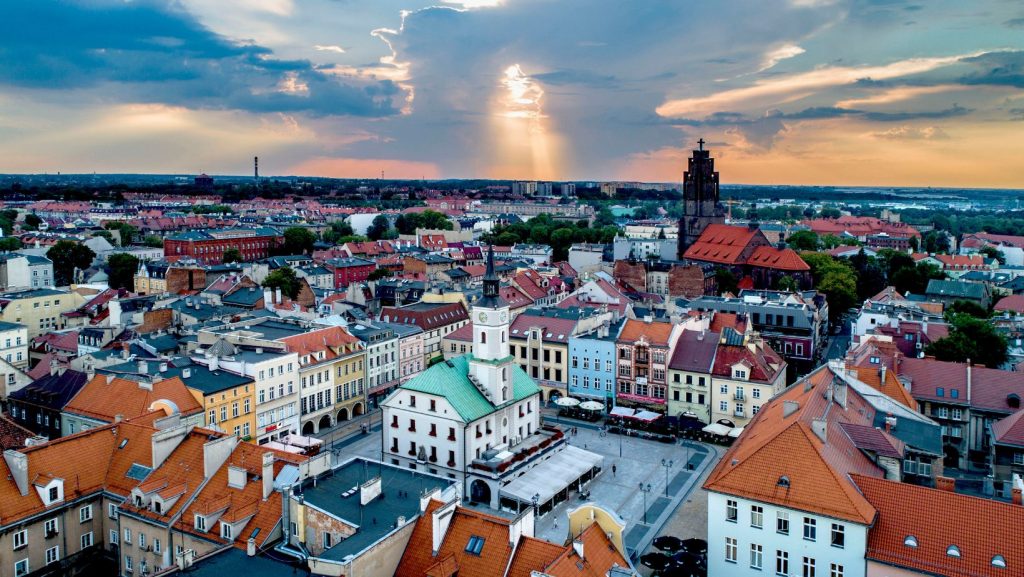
828 92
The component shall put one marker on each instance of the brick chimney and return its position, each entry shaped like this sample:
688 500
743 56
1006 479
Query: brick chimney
945 484
1016 496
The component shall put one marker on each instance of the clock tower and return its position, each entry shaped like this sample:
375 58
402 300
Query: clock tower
490 367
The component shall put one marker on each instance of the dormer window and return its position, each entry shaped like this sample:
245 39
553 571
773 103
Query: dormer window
953 551
999 561
54 494
225 531
200 523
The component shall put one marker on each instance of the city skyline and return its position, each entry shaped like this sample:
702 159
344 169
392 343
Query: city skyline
881 92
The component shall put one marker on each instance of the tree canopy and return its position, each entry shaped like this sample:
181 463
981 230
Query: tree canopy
380 229
970 339
121 269
126 231
428 219
338 230
67 256
283 278
232 255
298 240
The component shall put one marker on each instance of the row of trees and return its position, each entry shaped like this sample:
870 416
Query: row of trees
558 234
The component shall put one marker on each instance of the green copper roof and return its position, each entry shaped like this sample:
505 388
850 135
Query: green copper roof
452 383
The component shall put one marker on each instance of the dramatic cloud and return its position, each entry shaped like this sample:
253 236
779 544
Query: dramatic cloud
911 133
160 54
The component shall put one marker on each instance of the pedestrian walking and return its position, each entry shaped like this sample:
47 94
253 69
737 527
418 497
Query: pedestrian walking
614 468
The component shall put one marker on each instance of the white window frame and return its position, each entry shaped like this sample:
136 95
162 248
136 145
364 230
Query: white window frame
21 567
85 514
52 555
19 536
86 537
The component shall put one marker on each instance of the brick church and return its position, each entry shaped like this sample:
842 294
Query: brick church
704 237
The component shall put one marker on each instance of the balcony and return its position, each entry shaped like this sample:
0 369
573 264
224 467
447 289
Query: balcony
450 463
739 396
739 413
451 437
527 450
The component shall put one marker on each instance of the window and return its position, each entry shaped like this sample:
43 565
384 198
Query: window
953 551
838 535
113 536
810 529
200 523
156 545
836 570
731 511
475 545
127 536
1018 458
940 392
142 540
85 514
724 389
225 530
781 563
958 414
51 527
21 568
756 556
54 491
127 563
808 567
730 549
782 523
723 406
328 540
53 554
20 539
86 540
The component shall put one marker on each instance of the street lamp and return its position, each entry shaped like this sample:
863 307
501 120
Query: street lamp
645 489
667 463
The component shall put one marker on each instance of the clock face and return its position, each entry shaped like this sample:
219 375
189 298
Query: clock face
504 317
483 317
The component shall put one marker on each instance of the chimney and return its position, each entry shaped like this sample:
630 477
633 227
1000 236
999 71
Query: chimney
881 375
214 363
186 373
54 367
268 296
945 484
237 476
789 407
577 546
277 295
118 418
163 367
126 350
968 381
267 476
1016 496
250 547
215 452
146 384
820 428
17 462
143 367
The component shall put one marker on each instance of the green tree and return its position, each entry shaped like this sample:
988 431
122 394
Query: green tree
830 212
786 283
125 230
561 240
915 244
152 240
379 273
604 217
298 240
68 256
726 281
993 252
965 307
380 228
803 240
121 269
338 230
970 339
232 255
283 278
32 221
9 243
838 280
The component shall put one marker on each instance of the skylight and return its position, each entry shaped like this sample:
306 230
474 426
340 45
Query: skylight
999 561
475 545
953 551
910 541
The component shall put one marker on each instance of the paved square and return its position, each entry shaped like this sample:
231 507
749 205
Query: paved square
640 462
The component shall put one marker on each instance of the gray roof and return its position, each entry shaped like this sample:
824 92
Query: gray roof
378 517
695 351
952 288
233 561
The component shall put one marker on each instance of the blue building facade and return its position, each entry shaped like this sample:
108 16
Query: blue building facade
592 365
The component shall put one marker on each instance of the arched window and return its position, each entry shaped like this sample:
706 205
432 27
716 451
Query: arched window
504 337
504 393
483 338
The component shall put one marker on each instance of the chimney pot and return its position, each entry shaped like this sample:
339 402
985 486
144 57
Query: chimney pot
945 484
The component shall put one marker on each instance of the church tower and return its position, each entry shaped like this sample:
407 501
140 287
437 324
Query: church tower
490 367
701 205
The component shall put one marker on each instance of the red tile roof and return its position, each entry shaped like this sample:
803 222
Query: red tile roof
774 445
556 330
104 398
463 333
1017 241
656 333
721 243
765 364
515 298
990 388
981 529
1010 431
1014 303
452 556
860 226
777 258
